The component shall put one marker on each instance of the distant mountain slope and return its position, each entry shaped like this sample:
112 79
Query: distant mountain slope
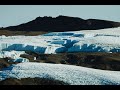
63 23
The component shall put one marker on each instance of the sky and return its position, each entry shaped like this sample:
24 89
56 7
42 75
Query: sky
11 15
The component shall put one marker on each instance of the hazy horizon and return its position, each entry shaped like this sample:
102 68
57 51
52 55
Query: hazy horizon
17 14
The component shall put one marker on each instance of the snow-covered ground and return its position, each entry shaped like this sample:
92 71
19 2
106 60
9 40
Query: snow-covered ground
73 75
103 40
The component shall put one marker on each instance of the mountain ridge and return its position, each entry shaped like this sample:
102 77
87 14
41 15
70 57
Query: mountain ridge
63 23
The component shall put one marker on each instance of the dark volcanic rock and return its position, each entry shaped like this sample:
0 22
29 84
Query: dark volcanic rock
63 23
31 81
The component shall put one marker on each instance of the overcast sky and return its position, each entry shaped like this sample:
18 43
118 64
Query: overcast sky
17 14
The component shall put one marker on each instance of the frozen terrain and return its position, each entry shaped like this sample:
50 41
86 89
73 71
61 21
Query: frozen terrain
103 40
73 75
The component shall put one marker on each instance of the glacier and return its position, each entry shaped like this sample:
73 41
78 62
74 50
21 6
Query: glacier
73 75
103 40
